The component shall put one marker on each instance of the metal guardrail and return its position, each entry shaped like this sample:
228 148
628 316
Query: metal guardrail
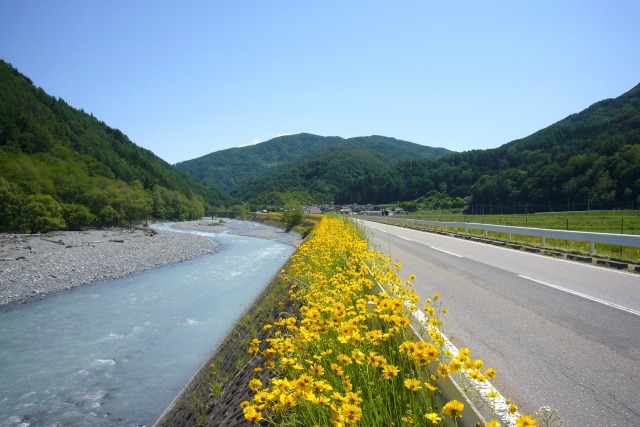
629 240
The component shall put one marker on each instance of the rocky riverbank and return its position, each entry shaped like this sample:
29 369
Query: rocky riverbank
32 266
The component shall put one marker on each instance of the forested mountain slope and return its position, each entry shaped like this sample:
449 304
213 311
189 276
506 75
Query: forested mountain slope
588 160
61 167
237 167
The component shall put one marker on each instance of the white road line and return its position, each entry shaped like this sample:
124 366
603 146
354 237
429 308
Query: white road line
446 252
405 238
589 297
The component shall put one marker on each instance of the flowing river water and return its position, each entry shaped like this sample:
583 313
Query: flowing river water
116 353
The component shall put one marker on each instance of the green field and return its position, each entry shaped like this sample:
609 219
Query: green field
621 222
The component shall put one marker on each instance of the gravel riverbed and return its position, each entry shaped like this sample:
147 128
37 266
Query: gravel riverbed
32 266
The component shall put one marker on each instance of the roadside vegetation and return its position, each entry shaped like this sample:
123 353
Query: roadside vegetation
302 225
346 357
618 222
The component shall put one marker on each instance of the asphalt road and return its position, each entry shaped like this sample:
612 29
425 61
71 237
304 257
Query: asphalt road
560 334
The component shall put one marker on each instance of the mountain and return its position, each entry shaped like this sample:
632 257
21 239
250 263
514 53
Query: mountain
61 167
589 160
307 163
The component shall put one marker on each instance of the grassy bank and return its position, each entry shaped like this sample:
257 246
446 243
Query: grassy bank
618 222
304 227
624 222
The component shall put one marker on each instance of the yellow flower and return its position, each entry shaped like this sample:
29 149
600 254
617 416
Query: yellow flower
337 369
430 387
443 370
351 413
513 409
305 382
344 359
358 356
412 384
453 409
389 371
352 397
490 373
255 384
526 421
317 370
251 414
493 423
433 417
455 365
476 376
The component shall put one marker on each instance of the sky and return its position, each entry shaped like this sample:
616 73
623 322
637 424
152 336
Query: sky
187 78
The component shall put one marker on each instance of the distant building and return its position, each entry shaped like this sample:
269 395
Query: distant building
312 210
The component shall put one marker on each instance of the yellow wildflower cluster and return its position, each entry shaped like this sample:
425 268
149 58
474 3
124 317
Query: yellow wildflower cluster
346 358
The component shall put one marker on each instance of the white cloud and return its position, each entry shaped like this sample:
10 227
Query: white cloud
254 141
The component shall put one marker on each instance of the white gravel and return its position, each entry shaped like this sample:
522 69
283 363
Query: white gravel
31 266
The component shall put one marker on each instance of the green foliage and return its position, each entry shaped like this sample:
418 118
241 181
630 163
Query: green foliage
49 148
41 213
11 199
241 212
292 216
435 201
78 217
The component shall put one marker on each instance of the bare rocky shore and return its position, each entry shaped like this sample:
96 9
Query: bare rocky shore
32 266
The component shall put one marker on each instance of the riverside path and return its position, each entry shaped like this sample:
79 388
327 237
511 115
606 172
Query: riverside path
560 333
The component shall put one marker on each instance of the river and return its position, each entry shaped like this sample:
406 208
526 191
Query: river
116 353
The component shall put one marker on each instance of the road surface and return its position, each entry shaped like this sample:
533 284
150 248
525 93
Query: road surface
561 334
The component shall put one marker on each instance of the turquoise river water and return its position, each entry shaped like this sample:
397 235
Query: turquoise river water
116 353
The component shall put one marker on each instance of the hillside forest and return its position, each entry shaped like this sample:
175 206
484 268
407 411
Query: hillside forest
61 168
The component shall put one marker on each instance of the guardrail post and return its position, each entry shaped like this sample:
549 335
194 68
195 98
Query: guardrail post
592 249
509 236
544 242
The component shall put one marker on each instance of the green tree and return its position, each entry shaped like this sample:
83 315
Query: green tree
10 205
77 217
109 216
293 214
42 213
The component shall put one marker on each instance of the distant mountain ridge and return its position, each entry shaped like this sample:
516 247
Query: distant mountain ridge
237 168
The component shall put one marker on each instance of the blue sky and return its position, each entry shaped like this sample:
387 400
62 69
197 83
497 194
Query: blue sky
186 78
